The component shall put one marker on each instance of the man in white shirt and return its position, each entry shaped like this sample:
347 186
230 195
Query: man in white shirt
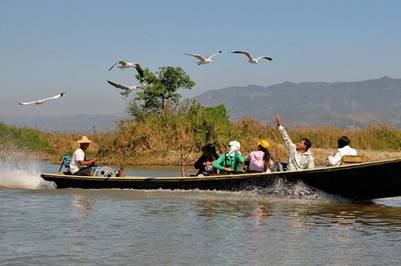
299 154
79 165
343 149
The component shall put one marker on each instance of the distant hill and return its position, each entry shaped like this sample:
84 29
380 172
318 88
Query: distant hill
340 104
74 123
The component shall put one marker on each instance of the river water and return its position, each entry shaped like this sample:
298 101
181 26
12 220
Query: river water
40 225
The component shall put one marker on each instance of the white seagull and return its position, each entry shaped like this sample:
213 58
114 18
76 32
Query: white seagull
202 60
251 59
127 89
124 65
40 101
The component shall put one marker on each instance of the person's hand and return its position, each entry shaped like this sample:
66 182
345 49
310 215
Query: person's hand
278 120
227 169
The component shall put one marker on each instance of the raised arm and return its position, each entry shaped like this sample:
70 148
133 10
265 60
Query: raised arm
284 135
240 158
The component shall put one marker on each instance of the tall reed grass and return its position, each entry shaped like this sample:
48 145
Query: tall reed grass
177 135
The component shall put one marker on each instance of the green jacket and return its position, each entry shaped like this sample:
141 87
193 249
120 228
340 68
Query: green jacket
228 161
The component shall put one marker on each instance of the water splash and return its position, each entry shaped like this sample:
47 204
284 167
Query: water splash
22 174
289 190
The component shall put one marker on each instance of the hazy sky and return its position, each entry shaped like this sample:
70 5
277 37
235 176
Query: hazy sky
52 46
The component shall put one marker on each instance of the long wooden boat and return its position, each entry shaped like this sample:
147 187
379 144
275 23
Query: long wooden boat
361 181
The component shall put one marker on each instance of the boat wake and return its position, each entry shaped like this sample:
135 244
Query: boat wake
279 190
22 174
283 189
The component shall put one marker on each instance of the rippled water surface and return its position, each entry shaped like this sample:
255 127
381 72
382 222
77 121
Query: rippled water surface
280 226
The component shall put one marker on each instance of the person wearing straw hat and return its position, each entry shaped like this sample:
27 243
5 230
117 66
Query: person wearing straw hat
79 165
259 161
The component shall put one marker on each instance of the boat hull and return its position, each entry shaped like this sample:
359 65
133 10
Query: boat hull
361 181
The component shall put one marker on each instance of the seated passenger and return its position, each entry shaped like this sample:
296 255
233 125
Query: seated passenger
299 154
343 149
228 162
205 162
259 161
79 165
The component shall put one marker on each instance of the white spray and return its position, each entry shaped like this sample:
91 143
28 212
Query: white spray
22 174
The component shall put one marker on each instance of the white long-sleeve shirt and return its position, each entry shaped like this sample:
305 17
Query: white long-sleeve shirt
336 158
296 160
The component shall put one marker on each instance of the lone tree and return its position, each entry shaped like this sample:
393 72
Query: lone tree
160 91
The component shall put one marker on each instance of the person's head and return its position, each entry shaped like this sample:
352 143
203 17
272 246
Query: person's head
84 142
209 150
233 146
303 145
263 145
343 141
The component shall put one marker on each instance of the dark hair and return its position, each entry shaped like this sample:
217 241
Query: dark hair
343 141
266 156
210 150
307 143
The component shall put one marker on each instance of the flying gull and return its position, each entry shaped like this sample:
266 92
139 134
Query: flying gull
124 65
40 101
202 60
127 89
251 59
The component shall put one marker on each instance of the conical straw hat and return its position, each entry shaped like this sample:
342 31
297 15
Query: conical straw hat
84 139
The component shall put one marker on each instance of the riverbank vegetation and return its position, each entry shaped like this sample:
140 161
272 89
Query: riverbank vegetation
163 130
177 136
23 139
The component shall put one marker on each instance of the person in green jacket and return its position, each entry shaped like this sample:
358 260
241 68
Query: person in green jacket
228 162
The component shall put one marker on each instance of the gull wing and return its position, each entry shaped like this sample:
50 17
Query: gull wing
40 101
139 70
210 57
197 56
247 54
113 66
54 97
118 85
26 103
33 102
264 57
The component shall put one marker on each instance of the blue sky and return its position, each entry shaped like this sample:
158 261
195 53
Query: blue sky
49 46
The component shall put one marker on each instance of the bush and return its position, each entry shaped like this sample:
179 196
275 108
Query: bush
23 139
